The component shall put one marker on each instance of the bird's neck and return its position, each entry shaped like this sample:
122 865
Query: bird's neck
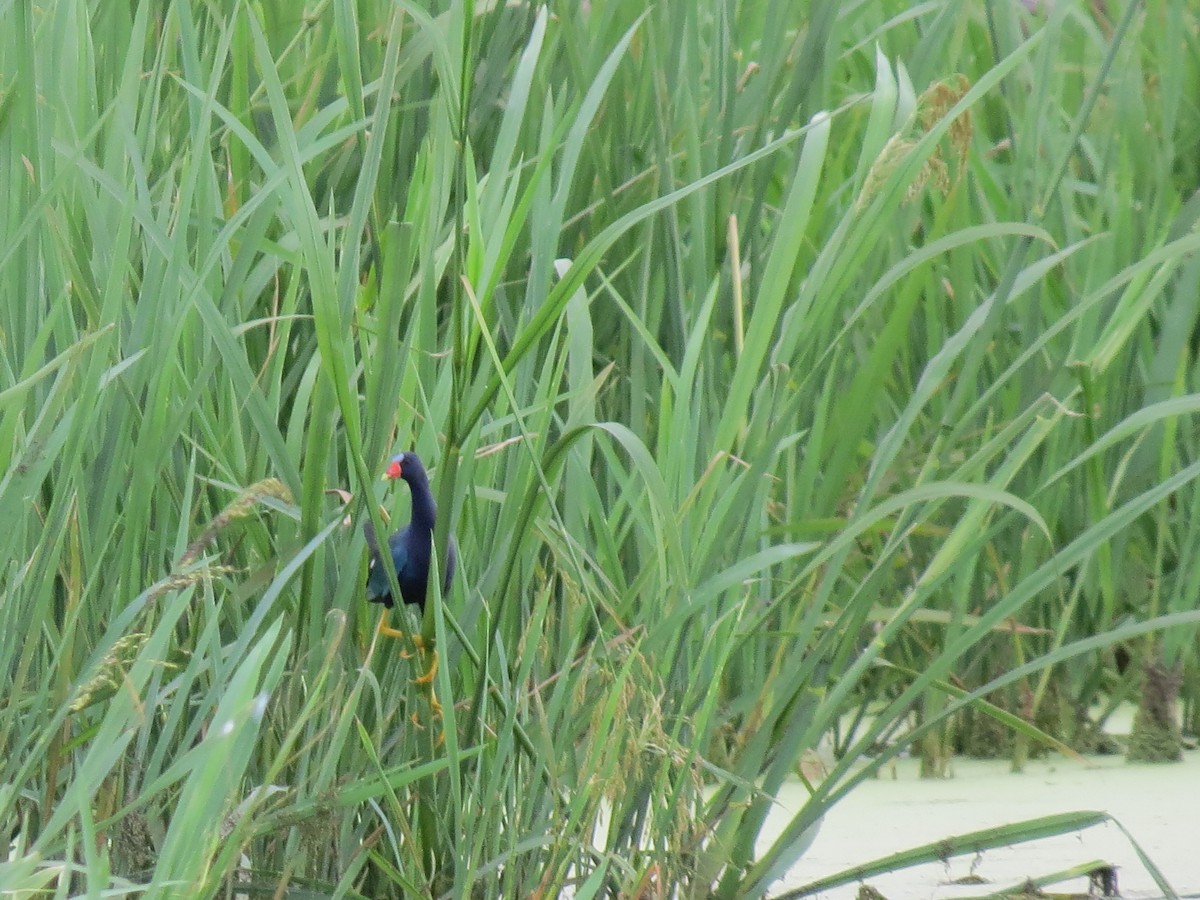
424 510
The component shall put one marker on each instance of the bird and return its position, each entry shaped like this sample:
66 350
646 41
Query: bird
412 551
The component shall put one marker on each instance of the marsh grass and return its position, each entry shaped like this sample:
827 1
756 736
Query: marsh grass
773 363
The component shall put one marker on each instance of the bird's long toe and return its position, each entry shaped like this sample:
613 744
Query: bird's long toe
387 630
427 678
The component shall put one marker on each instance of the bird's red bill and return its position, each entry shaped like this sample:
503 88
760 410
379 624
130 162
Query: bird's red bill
393 470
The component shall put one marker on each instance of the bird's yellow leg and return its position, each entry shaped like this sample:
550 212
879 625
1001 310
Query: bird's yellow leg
388 631
418 642
435 706
427 678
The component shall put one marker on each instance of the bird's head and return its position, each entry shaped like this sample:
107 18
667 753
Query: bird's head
407 466
395 468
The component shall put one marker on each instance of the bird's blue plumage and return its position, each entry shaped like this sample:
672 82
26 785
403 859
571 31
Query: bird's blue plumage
411 546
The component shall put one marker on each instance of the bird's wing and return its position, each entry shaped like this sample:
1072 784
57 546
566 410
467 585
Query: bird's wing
398 544
377 579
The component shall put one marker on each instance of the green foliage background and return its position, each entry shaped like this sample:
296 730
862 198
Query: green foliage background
775 361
